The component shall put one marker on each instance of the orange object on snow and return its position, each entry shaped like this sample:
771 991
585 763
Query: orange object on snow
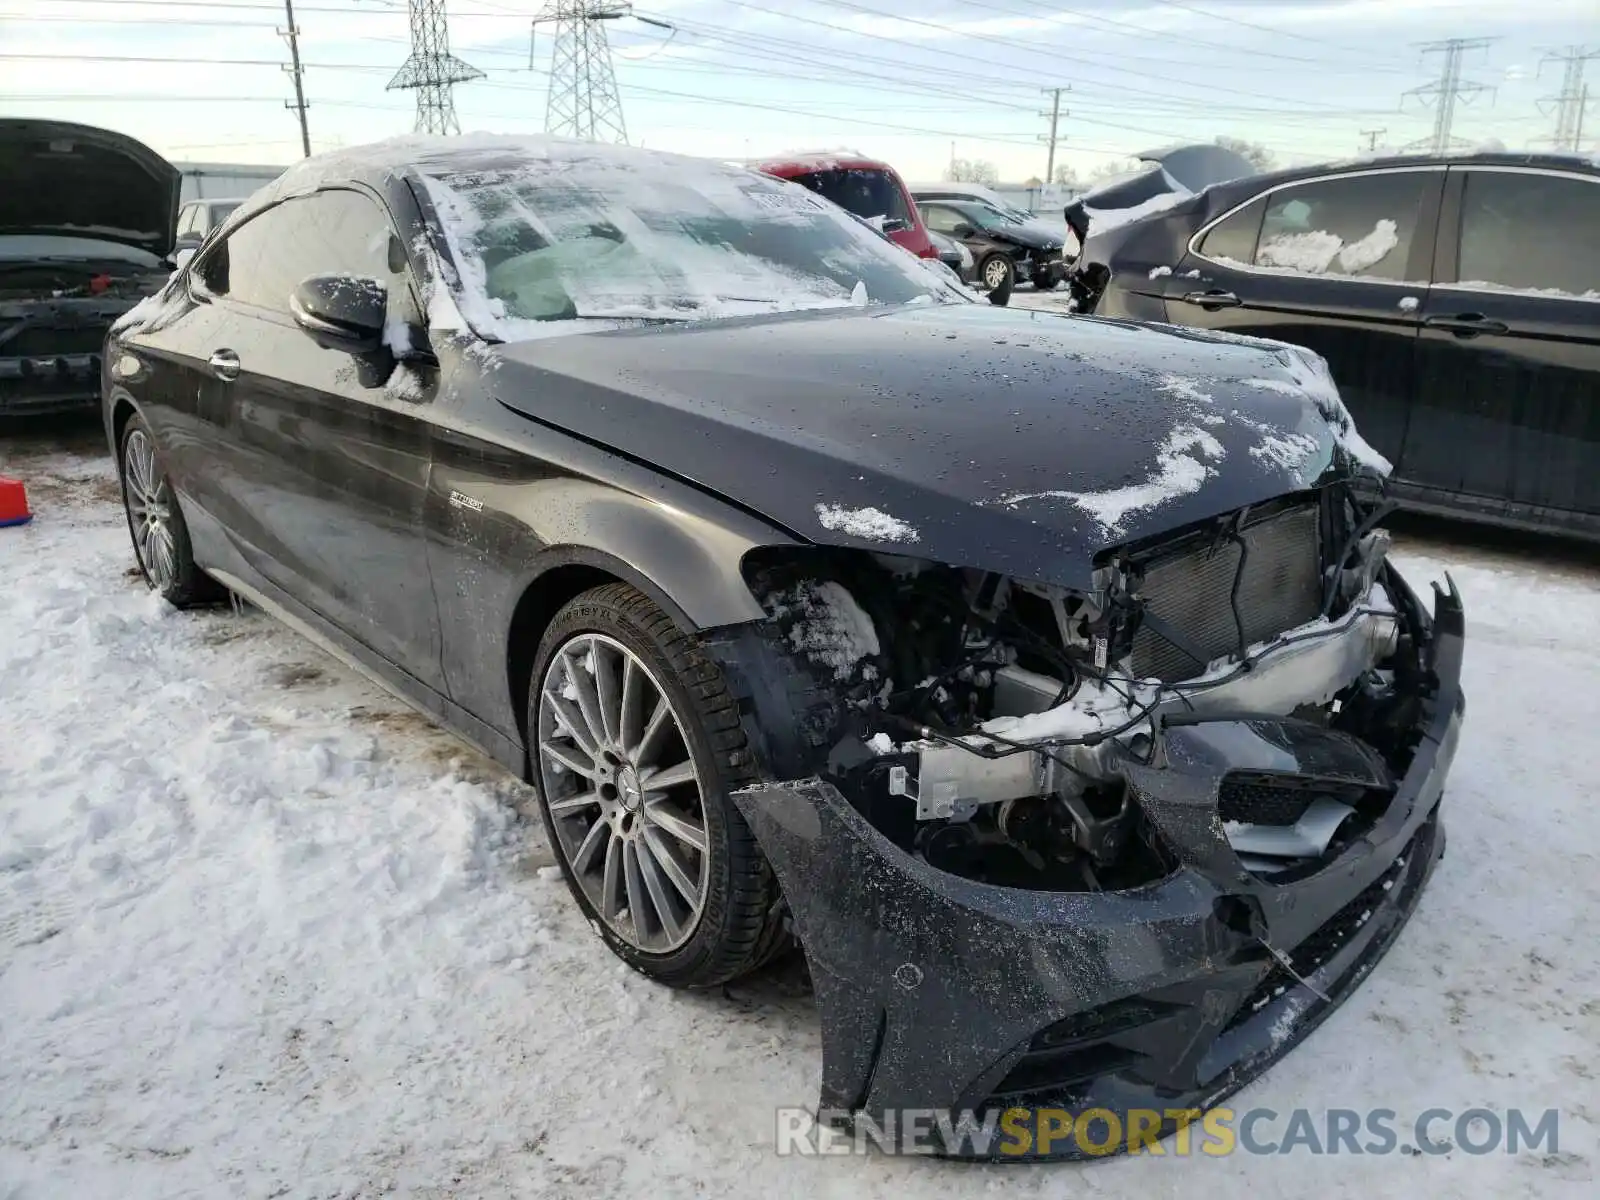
13 502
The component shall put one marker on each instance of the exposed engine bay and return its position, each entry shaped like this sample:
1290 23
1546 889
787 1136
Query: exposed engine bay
985 724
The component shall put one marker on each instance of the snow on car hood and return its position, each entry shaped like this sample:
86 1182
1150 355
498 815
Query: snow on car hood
67 179
1017 441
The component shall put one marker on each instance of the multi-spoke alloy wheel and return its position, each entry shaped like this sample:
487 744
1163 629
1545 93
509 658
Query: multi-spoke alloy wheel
160 536
623 792
150 509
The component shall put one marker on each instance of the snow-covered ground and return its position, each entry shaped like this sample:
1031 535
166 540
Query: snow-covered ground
265 933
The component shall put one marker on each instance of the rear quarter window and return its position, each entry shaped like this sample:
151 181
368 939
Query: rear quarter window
1233 239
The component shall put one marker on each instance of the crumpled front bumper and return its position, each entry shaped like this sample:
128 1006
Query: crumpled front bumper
936 992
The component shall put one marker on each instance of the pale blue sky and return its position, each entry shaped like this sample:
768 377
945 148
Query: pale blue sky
899 79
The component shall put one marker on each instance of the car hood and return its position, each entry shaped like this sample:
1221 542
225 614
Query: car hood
1032 234
1014 441
76 180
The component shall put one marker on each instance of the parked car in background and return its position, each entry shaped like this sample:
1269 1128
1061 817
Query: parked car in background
1457 300
863 186
196 220
967 191
813 597
86 223
1006 250
954 255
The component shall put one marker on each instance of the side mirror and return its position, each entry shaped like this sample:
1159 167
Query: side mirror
895 225
342 312
963 230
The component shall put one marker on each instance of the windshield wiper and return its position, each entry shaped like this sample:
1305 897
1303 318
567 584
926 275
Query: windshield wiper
652 319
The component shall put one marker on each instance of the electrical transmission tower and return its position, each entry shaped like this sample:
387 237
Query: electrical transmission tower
1573 99
583 100
1372 136
1447 91
432 71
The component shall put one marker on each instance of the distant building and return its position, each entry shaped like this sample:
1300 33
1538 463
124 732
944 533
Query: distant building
204 181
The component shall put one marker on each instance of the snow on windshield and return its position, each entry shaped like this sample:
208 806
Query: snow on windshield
564 233
1315 251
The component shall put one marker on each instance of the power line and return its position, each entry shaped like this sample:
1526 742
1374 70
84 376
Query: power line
1144 34
1011 44
1447 90
1572 101
432 71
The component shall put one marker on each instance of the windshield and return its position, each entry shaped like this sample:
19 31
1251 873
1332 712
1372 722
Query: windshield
595 233
864 191
34 246
985 217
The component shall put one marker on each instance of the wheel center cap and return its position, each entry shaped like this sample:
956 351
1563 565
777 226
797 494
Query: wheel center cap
629 791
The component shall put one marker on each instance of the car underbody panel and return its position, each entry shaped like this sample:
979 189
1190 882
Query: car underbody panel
1116 850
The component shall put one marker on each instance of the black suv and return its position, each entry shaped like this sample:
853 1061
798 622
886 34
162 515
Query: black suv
86 223
1457 300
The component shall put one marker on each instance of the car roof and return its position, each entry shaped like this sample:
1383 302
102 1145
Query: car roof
804 164
1487 158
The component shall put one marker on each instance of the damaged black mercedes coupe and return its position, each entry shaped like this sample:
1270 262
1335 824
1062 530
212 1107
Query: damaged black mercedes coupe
1044 677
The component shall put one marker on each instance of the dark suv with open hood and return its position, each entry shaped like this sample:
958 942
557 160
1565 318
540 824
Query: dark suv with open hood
86 222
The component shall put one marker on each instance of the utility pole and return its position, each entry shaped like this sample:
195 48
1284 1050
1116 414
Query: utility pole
1573 99
1449 89
1372 136
1050 139
583 100
299 105
431 70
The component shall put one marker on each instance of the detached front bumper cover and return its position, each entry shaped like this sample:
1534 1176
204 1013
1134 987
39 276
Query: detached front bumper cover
936 992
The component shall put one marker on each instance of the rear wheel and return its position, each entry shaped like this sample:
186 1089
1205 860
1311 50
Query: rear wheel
637 745
155 522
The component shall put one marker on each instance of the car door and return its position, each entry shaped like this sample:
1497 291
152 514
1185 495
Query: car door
1338 264
327 471
1508 414
946 219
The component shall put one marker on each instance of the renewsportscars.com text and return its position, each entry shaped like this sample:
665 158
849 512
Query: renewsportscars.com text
1216 1132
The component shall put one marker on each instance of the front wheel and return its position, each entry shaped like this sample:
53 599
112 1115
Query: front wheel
637 745
155 522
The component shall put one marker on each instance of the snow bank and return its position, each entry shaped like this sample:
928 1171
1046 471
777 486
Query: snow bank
310 948
872 524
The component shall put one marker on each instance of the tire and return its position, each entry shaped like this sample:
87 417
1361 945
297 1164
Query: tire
739 924
155 522
997 273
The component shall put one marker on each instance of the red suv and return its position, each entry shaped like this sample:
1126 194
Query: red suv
864 186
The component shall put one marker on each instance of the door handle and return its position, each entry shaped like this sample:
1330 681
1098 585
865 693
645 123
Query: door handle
225 365
1211 301
1466 325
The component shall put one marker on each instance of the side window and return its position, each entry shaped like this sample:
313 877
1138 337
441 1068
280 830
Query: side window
1358 226
189 220
1233 240
329 233
1529 231
941 219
